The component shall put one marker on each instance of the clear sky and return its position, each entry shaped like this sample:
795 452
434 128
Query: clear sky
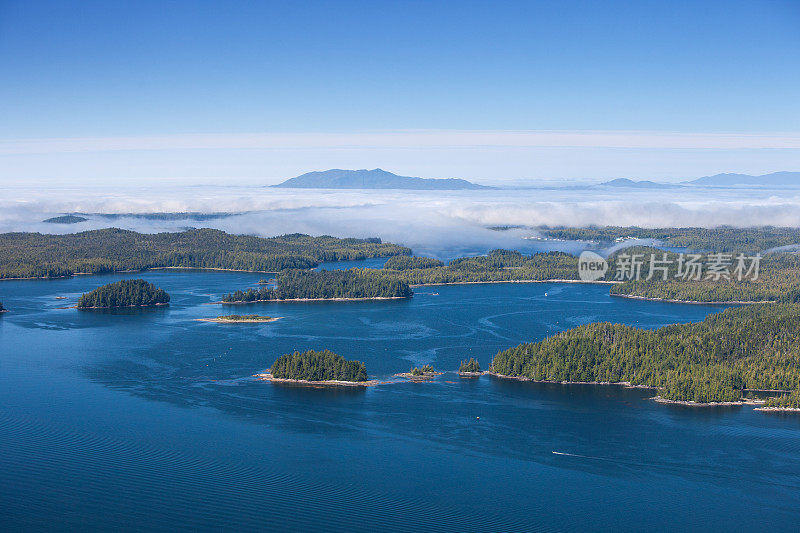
263 90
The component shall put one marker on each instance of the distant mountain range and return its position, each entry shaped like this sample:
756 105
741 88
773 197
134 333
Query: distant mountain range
776 179
374 179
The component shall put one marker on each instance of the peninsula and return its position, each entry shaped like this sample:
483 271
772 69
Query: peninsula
710 362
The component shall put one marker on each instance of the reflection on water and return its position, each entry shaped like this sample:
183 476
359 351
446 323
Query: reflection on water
135 418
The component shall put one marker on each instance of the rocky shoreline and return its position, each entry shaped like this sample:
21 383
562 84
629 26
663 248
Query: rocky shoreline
313 300
692 302
266 376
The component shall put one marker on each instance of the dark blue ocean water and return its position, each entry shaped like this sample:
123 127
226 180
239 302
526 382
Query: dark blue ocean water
147 419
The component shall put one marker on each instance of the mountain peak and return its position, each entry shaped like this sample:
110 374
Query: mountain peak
376 178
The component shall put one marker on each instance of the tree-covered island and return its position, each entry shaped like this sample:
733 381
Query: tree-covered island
755 347
353 284
421 373
125 293
317 367
469 368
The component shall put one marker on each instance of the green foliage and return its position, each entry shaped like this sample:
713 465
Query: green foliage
318 366
498 265
754 347
326 284
786 401
470 365
421 371
31 255
404 262
778 280
125 293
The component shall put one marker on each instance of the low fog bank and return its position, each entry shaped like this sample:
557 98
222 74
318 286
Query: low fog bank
437 223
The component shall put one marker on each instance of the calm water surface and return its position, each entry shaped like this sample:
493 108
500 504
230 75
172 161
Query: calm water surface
147 419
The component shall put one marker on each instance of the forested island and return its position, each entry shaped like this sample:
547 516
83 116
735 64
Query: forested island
317 367
125 293
469 368
421 373
752 347
239 319
353 284
37 255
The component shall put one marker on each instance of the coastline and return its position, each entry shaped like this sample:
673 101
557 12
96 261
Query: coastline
246 321
597 282
201 268
626 384
691 403
116 306
472 374
427 376
779 409
314 300
657 399
693 302
266 376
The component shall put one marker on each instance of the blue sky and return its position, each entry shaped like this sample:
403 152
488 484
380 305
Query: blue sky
145 71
